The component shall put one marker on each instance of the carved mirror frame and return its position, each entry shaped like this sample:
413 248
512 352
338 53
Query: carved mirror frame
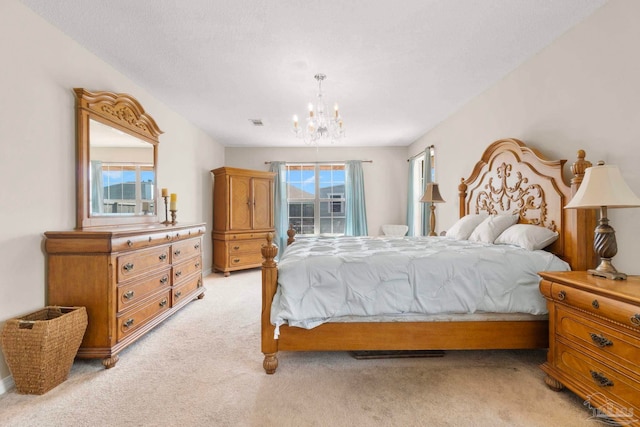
124 113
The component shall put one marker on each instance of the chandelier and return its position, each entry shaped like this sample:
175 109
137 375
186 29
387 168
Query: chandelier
320 124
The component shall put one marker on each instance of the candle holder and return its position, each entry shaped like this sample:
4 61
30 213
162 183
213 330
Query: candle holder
166 210
174 215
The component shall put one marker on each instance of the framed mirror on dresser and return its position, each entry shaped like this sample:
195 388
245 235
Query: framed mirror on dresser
127 268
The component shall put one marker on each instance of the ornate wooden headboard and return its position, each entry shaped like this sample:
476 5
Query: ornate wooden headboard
513 178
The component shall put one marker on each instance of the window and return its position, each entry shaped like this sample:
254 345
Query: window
126 185
316 198
424 171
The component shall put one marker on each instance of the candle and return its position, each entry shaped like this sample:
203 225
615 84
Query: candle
174 199
295 122
165 192
310 110
335 107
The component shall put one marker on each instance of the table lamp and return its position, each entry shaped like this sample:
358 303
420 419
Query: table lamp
432 195
603 187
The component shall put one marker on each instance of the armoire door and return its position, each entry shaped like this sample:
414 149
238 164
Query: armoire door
262 203
240 203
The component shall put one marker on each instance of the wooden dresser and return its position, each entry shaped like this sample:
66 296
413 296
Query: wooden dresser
129 279
594 341
242 217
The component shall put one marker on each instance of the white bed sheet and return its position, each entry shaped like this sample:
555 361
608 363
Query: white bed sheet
323 279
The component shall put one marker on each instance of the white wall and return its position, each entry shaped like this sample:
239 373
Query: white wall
385 178
581 92
40 66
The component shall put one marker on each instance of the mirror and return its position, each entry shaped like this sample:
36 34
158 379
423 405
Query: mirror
117 145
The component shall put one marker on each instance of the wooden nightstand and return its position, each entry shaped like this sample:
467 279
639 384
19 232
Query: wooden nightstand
594 341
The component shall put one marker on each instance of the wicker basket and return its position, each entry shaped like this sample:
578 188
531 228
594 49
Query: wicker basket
39 348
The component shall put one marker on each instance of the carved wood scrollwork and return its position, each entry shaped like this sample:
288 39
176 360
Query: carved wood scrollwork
514 196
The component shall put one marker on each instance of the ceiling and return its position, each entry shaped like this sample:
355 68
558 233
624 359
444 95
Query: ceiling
396 68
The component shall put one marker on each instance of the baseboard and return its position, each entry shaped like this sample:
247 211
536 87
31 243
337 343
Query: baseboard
6 384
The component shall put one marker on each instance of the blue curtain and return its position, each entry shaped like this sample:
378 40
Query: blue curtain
355 207
280 206
97 187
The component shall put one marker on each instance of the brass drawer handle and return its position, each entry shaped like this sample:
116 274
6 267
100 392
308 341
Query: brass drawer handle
177 294
164 279
176 252
127 323
163 303
562 295
128 266
128 295
196 246
595 304
162 257
237 260
235 248
600 340
601 379
197 265
635 319
178 273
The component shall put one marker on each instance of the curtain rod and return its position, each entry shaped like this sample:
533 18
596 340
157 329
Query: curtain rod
320 163
420 153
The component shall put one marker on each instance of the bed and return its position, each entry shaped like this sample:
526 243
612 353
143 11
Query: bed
510 178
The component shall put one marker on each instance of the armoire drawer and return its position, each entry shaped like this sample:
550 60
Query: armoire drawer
618 311
615 386
246 246
137 263
604 340
185 289
242 259
130 321
131 293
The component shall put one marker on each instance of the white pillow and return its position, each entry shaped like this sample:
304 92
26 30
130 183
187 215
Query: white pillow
532 237
493 226
463 227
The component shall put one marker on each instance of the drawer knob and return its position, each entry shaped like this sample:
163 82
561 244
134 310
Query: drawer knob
163 303
177 294
128 295
176 252
635 319
235 248
562 295
197 265
164 279
601 379
128 323
178 273
129 243
128 266
600 340
595 304
162 257
196 246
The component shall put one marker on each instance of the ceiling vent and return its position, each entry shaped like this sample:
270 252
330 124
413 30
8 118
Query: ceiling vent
256 122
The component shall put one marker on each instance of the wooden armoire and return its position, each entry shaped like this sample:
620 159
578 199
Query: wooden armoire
242 217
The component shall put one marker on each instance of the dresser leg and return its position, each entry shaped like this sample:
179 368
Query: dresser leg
553 383
201 296
110 362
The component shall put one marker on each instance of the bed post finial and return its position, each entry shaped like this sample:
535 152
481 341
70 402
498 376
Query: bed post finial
291 232
462 196
578 169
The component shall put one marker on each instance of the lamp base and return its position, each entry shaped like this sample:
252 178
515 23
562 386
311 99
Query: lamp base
611 274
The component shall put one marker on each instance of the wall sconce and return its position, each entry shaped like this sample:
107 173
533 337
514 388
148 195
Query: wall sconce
603 187
432 195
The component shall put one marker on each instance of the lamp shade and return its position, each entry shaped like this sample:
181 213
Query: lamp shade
432 194
603 186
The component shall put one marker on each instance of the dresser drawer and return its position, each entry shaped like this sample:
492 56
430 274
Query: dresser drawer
140 241
621 312
133 292
603 340
246 246
139 262
615 386
128 322
186 289
183 270
186 249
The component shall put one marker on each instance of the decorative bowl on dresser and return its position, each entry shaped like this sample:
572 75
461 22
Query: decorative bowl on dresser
594 341
127 268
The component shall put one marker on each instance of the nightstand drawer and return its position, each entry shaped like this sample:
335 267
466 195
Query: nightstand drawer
626 314
605 341
603 379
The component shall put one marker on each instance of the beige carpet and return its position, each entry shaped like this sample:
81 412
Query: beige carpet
203 367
